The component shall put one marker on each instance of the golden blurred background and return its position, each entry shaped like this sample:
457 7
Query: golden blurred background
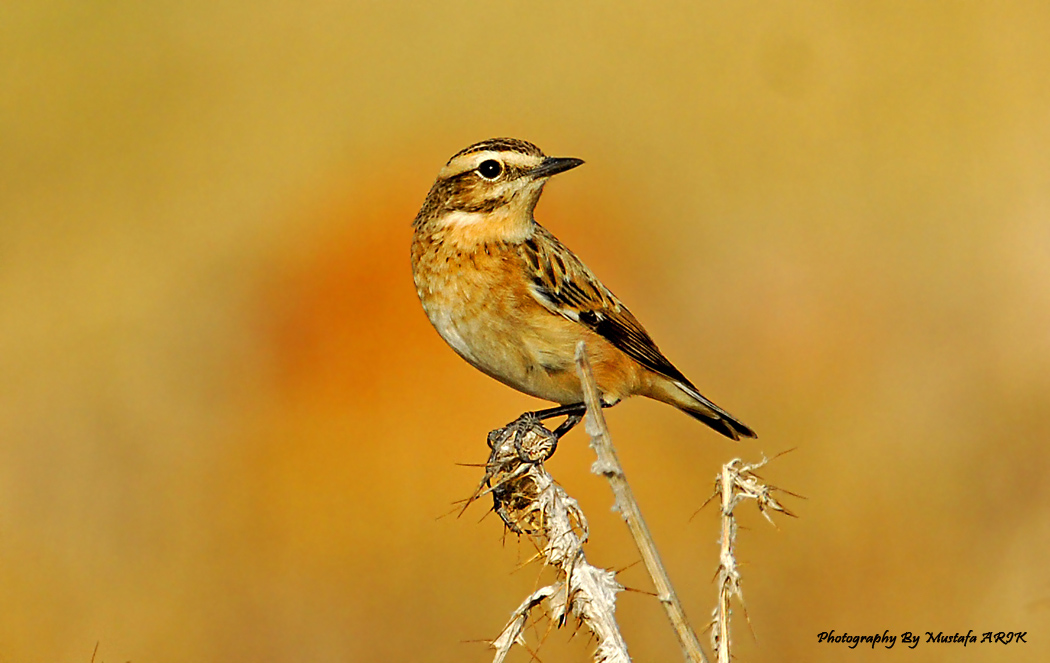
227 431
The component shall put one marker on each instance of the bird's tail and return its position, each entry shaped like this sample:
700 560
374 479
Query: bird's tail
686 398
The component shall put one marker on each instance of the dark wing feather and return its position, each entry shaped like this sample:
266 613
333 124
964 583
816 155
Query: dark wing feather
563 284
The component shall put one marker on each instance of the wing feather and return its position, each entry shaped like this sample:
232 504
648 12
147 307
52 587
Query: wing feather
564 285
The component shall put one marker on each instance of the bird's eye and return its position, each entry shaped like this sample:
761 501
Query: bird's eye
490 169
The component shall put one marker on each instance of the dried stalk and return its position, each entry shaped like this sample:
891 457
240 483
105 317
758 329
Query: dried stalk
531 503
608 465
736 483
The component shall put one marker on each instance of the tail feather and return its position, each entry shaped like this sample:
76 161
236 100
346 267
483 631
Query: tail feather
729 427
686 398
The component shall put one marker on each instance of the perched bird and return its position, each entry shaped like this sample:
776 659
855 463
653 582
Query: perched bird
514 301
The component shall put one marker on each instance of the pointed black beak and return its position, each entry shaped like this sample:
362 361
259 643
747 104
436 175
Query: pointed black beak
553 166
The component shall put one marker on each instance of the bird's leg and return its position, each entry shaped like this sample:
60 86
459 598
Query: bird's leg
573 415
567 425
575 408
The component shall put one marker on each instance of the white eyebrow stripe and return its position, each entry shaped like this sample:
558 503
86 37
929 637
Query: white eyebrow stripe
468 162
520 160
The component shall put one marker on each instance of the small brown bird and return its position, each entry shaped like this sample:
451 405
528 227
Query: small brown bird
513 301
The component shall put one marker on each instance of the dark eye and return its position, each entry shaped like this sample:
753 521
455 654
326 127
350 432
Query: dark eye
490 169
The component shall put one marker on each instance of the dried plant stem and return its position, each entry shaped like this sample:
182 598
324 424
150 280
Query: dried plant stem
736 483
608 465
530 502
728 574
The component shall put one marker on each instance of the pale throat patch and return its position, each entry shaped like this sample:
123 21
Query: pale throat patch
472 228
460 219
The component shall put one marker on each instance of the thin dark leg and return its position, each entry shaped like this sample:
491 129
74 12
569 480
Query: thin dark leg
567 425
575 408
573 415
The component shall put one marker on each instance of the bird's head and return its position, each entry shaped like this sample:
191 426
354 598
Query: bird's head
491 188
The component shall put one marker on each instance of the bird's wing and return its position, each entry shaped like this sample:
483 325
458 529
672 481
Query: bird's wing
564 285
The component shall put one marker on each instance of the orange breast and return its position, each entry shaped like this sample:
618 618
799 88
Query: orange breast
479 302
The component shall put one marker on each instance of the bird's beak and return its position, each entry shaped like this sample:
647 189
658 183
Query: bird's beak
553 166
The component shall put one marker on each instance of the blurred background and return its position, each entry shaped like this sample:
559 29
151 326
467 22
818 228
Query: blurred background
228 432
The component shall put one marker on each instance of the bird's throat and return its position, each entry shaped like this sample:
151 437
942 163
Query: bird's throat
467 230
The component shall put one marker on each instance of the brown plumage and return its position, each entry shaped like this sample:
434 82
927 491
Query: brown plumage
513 301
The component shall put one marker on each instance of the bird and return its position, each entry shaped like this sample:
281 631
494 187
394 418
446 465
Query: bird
513 301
